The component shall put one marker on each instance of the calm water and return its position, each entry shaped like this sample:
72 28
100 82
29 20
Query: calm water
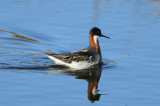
29 28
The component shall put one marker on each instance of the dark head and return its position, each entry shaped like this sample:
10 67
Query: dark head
94 34
97 32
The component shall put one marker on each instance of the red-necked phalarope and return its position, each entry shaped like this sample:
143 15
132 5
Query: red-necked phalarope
85 58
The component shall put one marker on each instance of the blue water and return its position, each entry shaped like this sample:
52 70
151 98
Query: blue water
129 77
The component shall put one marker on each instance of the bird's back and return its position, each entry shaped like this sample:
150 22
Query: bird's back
76 58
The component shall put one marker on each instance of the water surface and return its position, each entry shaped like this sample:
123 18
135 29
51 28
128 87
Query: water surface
29 28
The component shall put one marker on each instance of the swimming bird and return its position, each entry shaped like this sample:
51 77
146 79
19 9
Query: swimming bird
85 58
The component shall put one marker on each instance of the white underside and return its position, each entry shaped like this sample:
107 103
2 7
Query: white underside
75 65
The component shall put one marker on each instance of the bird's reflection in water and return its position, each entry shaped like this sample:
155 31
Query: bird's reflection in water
92 76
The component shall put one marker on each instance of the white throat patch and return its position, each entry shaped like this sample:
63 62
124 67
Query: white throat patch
95 37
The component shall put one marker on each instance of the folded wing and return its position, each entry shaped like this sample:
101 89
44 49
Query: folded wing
81 55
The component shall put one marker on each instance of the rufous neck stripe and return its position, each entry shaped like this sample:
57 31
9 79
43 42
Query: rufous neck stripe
92 41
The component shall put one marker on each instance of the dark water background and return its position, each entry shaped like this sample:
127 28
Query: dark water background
29 28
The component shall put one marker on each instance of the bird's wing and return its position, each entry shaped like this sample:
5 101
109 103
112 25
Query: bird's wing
81 55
